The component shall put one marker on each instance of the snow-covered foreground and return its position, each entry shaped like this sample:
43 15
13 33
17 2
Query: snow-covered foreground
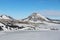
30 35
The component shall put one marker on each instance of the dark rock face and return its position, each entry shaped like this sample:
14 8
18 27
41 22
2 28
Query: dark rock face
13 26
1 28
21 27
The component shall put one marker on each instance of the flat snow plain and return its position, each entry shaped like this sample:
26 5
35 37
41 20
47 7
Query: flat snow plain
30 35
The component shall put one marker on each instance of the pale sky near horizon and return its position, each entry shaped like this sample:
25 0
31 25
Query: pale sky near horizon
23 8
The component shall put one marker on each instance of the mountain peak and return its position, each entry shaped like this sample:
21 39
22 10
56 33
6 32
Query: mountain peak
39 16
36 14
5 17
36 17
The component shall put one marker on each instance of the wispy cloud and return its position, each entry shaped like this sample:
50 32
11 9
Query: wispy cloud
51 12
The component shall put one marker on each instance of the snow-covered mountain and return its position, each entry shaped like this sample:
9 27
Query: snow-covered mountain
32 22
5 17
35 17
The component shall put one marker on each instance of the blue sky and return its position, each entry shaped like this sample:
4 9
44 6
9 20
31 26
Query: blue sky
23 8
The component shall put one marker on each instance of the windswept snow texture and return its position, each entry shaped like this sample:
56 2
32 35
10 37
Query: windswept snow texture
30 35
